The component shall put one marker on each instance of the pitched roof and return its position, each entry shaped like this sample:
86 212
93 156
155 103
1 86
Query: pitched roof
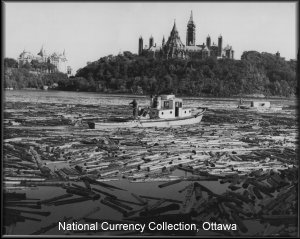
174 39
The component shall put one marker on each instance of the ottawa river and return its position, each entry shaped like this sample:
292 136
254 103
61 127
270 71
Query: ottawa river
111 102
86 98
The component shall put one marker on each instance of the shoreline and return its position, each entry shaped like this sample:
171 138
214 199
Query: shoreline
179 95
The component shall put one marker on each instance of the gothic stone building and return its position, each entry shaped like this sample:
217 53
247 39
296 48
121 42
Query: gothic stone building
59 60
174 48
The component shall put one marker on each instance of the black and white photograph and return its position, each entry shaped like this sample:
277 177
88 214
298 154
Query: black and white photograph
150 119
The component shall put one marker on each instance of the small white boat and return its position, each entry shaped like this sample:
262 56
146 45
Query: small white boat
165 111
261 106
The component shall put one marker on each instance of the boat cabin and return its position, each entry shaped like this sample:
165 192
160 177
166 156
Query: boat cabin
260 104
168 106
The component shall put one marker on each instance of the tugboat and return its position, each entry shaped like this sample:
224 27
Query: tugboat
165 111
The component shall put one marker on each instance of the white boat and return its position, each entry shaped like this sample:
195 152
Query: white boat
165 111
261 106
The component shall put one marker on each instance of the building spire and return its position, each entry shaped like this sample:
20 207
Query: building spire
191 21
174 27
41 53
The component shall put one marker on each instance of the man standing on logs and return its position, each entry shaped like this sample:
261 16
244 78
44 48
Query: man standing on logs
135 108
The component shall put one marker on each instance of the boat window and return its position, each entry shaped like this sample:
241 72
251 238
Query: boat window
166 104
162 113
180 104
185 111
170 112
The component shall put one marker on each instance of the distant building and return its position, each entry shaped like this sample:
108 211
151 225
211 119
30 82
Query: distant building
174 48
59 60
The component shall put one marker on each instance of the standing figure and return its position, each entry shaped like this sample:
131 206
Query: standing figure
155 102
151 101
135 108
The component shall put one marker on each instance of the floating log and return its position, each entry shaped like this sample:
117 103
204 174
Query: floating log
158 198
113 206
50 200
70 201
79 192
185 188
202 178
203 188
277 200
30 179
45 183
29 218
105 193
14 195
45 214
122 205
262 186
155 205
257 193
239 196
186 169
237 209
129 202
186 207
79 187
169 183
109 173
138 198
23 205
159 210
93 181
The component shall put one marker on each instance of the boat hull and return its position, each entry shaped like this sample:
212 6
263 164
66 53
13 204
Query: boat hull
149 123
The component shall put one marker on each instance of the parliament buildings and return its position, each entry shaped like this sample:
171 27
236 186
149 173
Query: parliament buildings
174 48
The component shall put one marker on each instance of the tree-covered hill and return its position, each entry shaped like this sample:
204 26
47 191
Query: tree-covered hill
255 73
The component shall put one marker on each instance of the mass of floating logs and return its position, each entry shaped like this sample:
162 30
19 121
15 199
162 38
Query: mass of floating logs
256 166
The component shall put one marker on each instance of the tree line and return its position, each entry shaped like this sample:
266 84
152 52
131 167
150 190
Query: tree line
255 73
36 75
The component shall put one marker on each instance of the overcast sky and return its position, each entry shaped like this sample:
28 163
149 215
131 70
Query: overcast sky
90 30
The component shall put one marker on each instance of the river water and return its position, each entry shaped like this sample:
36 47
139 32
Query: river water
65 99
86 98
